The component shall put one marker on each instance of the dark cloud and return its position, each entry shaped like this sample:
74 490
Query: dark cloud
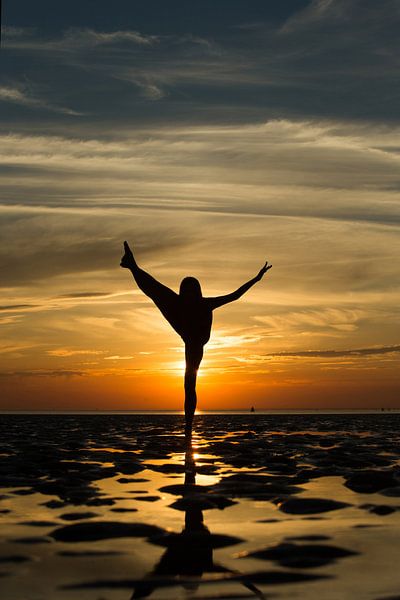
42 373
44 246
42 261
358 352
85 295
12 307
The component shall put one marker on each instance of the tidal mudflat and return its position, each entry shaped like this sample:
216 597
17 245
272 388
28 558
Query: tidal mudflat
110 507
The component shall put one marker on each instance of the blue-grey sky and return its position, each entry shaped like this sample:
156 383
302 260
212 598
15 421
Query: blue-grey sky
178 61
212 135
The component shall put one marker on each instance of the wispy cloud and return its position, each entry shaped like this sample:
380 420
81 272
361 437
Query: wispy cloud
73 40
117 357
8 31
17 95
78 295
321 61
17 307
342 320
225 340
148 89
16 347
354 353
66 352
241 169
82 38
42 373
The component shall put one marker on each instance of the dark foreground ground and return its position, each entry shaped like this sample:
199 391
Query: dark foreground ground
110 507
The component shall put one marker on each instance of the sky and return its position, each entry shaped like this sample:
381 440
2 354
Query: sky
212 136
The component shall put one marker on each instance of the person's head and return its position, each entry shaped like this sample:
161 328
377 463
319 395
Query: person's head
190 288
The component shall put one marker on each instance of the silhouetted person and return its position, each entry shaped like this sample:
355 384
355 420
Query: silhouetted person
190 314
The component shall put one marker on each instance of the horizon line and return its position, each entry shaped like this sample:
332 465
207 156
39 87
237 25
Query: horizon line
201 412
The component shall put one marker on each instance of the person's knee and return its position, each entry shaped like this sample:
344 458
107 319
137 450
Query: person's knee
193 355
190 385
190 372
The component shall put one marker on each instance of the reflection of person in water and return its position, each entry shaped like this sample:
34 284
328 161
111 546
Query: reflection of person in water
190 314
189 554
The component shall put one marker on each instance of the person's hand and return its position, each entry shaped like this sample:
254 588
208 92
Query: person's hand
127 260
262 272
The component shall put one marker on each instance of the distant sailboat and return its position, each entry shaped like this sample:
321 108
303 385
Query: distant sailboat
252 409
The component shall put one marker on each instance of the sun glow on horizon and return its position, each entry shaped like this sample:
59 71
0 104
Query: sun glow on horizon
179 368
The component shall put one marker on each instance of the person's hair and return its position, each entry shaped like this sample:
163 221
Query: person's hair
190 286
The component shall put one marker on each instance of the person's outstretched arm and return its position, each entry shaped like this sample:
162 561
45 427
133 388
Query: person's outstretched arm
221 300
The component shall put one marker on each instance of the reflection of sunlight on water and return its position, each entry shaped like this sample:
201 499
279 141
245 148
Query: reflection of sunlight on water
106 449
179 457
213 459
202 479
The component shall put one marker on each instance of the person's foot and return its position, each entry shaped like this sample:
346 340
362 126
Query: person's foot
127 261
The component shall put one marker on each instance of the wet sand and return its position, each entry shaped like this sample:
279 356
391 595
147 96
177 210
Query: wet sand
110 507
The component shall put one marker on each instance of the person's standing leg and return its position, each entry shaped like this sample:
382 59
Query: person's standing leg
193 356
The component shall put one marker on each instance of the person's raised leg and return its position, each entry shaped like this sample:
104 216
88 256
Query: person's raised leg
149 286
193 356
163 297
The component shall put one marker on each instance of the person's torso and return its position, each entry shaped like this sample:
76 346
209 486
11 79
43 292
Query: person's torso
195 321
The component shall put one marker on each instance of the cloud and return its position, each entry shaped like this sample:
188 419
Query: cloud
337 319
42 373
13 32
73 39
11 319
82 38
38 247
355 353
149 90
345 15
41 261
15 347
238 169
85 295
17 307
223 340
321 62
66 352
318 13
17 95
370 151
117 357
